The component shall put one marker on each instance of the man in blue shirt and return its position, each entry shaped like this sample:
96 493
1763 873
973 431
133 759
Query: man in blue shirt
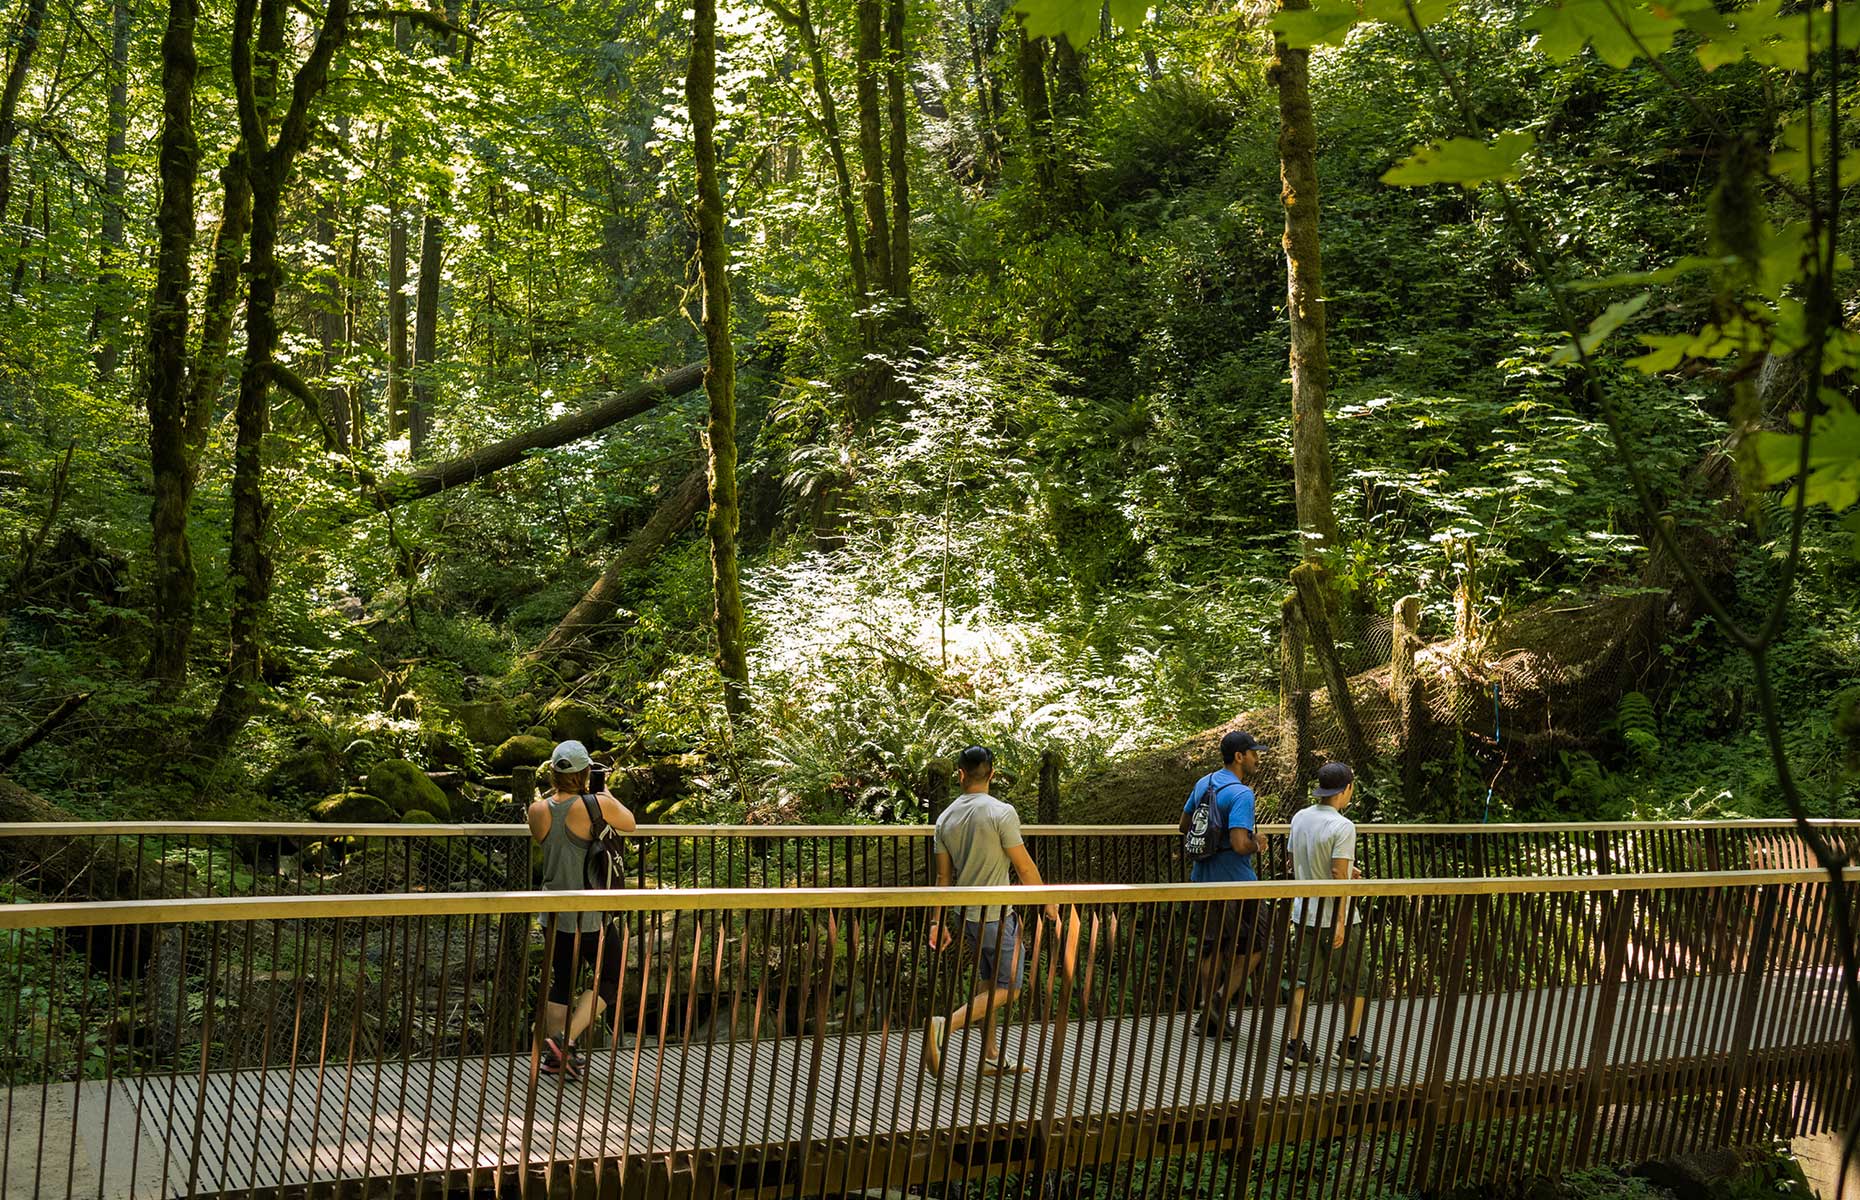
1232 935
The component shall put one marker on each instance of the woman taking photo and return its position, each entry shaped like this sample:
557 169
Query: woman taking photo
568 825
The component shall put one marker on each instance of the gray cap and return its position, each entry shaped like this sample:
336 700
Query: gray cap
570 757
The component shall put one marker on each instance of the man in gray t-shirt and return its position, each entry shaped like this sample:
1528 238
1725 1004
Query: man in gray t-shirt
977 842
1327 944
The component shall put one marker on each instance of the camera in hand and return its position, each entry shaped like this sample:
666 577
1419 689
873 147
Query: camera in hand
597 778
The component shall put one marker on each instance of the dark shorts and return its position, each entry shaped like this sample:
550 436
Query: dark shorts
1233 927
1328 969
571 954
998 950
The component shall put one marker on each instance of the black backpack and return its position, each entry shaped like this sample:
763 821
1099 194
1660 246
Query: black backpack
1207 826
605 866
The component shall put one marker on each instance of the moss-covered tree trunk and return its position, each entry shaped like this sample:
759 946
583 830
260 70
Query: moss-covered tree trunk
827 125
24 45
868 54
1034 105
170 457
897 65
106 316
720 377
1311 470
399 419
426 301
268 166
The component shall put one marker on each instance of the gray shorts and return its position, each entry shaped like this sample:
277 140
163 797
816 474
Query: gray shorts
998 950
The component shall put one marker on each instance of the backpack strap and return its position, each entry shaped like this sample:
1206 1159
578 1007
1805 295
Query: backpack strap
597 827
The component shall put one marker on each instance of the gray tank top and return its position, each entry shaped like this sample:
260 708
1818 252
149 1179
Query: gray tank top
564 866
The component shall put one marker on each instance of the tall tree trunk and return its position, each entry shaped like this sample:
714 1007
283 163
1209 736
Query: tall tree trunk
1031 60
1068 84
828 126
1310 363
868 53
897 68
987 105
426 305
328 300
398 418
24 45
170 456
351 327
107 317
720 377
268 165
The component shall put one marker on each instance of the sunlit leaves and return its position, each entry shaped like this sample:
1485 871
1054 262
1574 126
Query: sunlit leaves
1833 476
1793 159
1328 22
1619 30
1613 317
1078 20
1464 161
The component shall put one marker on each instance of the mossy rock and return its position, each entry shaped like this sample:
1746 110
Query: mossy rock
485 722
540 731
312 771
419 816
524 750
355 667
351 808
571 720
404 787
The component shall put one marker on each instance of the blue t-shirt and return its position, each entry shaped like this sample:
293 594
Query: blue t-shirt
1237 810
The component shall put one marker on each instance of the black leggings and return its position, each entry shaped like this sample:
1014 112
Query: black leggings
570 952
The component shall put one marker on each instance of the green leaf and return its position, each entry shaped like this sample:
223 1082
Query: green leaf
1325 23
1678 269
1077 19
1613 317
1463 161
1833 457
1619 30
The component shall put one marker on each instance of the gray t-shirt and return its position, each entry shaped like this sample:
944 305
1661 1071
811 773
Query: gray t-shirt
1319 834
976 832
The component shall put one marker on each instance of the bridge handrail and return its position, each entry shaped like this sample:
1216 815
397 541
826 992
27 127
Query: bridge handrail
320 829
436 904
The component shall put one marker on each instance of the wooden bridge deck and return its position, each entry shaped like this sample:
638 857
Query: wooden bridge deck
1127 1084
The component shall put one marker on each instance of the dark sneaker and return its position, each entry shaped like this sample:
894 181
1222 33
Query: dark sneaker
1296 1054
561 1059
1351 1053
1225 1025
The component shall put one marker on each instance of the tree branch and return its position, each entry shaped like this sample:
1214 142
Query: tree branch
251 127
58 716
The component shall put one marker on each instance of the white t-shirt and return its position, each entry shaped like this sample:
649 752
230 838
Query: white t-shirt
1319 834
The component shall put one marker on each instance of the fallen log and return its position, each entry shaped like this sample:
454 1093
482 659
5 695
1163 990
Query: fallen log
405 486
602 600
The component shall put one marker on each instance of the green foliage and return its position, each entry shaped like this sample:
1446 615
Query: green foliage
1463 161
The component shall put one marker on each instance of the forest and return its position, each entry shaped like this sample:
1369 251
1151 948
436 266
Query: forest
781 395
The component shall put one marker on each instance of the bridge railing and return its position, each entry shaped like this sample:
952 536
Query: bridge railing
771 1041
105 861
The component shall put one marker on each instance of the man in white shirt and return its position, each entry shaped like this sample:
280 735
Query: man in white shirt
977 842
1327 935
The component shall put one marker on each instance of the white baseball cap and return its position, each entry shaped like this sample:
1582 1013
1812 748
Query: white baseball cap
570 757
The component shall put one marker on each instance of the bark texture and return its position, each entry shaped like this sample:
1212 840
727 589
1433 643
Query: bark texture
1304 285
868 56
897 70
827 126
720 375
426 302
167 382
106 318
268 166
1030 58
428 481
30 26
602 600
